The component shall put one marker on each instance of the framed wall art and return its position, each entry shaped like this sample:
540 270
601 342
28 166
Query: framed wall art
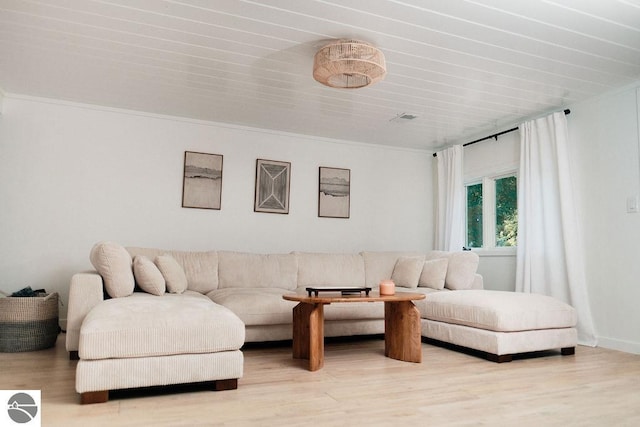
202 181
334 195
273 179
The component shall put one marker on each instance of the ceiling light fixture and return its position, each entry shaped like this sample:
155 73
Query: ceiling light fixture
349 64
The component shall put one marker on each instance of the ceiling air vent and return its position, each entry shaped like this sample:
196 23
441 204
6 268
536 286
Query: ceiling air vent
403 118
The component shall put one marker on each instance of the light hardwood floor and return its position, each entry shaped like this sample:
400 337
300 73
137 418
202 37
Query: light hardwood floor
359 386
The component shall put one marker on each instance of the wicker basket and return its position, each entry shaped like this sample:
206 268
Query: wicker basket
28 323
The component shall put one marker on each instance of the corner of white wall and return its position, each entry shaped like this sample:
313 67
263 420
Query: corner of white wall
606 152
638 125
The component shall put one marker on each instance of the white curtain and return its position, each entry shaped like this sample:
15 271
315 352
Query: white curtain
450 229
549 257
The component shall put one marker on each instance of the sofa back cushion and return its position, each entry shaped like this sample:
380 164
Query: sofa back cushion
380 265
330 269
461 270
201 268
245 270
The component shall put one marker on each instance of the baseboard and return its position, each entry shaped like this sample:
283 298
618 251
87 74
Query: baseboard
621 345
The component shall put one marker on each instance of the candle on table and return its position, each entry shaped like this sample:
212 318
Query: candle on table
387 287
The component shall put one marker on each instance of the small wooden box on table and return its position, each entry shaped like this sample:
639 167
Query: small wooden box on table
401 324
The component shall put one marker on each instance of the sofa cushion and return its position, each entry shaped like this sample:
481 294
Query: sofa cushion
147 275
379 265
173 274
433 273
407 271
245 270
143 325
499 311
114 264
330 269
201 268
257 306
461 269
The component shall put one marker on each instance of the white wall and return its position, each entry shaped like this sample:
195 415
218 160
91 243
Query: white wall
72 175
604 142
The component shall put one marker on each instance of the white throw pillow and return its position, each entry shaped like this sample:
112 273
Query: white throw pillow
147 275
173 274
407 271
113 263
433 274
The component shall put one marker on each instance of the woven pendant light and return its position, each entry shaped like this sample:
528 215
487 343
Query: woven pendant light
349 64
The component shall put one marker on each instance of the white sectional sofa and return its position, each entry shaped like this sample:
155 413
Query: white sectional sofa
152 317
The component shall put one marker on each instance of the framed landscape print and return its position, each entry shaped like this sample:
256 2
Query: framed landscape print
202 181
334 195
273 179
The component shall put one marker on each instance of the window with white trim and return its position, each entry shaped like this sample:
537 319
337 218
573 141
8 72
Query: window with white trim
492 211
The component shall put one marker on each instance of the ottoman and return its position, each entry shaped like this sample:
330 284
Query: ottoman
499 323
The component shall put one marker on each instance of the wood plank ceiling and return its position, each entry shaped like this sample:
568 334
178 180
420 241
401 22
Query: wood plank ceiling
464 68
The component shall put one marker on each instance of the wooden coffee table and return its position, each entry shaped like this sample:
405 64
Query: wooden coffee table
402 339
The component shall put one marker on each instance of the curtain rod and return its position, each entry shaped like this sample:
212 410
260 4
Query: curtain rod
496 135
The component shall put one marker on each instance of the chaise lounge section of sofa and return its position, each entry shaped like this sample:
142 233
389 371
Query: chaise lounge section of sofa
127 338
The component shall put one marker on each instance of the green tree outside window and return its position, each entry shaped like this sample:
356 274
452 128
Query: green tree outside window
507 211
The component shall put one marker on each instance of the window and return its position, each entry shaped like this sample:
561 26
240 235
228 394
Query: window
474 216
492 212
